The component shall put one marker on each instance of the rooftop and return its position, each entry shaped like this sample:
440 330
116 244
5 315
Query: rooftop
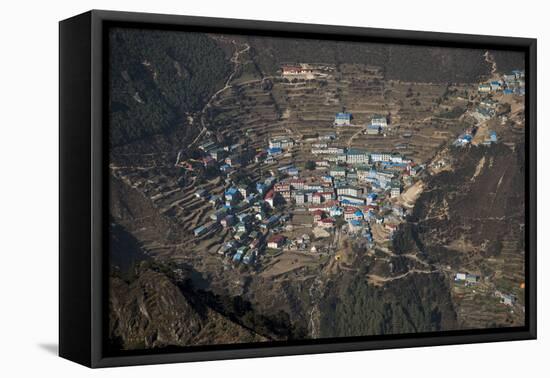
343 115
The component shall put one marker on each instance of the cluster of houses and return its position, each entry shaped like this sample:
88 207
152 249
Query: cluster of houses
466 278
353 190
377 124
512 83
484 112
471 280
224 157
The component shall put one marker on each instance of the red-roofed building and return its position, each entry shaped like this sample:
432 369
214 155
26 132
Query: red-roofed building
318 215
291 69
320 197
349 213
269 197
326 223
325 206
276 242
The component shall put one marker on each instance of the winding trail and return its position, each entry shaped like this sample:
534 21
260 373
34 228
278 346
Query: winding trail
235 60
380 279
491 60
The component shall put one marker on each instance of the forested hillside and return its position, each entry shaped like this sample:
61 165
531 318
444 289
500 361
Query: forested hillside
508 60
158 76
418 303
400 62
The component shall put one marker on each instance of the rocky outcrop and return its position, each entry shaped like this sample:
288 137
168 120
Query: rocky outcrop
153 312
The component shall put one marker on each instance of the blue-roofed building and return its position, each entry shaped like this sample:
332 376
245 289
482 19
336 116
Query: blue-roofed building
369 215
352 201
274 151
239 254
508 91
201 230
463 140
495 85
492 138
261 188
293 171
232 194
355 225
368 235
342 119
371 197
335 211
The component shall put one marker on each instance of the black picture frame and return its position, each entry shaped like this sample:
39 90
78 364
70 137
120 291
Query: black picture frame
83 188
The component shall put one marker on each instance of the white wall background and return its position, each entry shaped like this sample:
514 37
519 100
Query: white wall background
29 186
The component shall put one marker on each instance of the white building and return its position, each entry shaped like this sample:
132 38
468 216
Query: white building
357 157
342 119
380 157
484 88
298 71
396 158
338 172
281 142
350 191
380 121
395 191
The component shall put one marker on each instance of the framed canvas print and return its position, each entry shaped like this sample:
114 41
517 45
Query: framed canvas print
234 188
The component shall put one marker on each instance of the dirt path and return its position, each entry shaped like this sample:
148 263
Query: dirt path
380 280
235 60
491 60
355 135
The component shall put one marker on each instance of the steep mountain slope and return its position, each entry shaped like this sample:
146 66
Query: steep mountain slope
152 312
155 80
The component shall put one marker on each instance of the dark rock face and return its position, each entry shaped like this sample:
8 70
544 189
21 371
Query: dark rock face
484 196
153 312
